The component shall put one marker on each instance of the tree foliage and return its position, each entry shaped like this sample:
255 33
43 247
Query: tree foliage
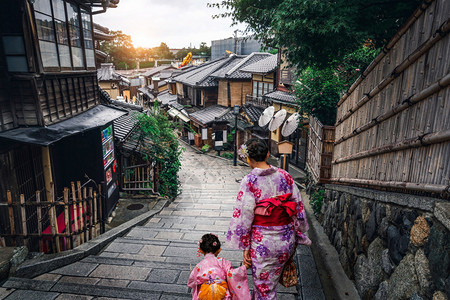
329 42
319 32
160 145
202 50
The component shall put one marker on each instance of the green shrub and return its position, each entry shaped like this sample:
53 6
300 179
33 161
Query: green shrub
205 148
316 201
227 155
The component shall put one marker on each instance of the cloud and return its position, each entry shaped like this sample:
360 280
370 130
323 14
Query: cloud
178 23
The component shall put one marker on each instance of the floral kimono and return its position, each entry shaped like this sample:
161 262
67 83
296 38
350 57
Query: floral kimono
215 269
270 244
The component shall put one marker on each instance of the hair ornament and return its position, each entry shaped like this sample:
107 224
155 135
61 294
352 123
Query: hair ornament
199 242
243 152
214 244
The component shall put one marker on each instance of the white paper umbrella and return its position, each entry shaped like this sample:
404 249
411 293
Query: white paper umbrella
266 116
277 120
290 125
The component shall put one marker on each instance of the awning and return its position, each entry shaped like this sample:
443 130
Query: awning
173 112
45 136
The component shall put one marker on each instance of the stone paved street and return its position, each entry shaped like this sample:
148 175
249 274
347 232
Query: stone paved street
154 261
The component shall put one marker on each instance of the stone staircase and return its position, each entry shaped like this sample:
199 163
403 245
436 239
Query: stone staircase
154 261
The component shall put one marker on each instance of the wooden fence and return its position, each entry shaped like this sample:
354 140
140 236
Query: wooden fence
54 225
140 178
320 150
393 125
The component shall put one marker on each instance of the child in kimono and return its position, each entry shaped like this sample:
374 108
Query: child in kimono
213 278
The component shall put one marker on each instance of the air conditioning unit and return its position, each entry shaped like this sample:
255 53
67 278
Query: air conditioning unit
113 86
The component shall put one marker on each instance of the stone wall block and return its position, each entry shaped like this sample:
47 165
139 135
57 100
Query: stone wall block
403 282
371 227
368 272
420 231
382 228
382 292
380 212
415 296
397 244
359 235
438 255
343 259
422 270
439 295
386 262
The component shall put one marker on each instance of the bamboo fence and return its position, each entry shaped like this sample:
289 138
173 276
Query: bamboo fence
62 223
320 150
393 125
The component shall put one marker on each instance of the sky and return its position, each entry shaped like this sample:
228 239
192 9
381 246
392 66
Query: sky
178 23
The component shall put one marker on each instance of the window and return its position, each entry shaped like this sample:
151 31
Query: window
88 41
61 28
15 53
260 88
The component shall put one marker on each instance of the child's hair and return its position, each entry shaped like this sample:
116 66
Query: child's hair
209 243
257 149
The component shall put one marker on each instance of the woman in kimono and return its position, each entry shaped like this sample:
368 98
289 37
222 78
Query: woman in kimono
268 220
213 278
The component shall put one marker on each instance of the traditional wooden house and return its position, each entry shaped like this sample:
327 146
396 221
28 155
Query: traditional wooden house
196 87
53 127
233 83
112 82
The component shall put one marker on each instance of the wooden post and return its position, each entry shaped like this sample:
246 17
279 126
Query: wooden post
47 168
2 242
95 213
52 216
100 209
85 216
80 212
39 219
67 223
24 219
75 217
91 215
11 217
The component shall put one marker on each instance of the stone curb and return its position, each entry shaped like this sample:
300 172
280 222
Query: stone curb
343 286
50 262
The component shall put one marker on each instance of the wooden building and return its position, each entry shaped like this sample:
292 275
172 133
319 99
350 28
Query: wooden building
53 128
112 82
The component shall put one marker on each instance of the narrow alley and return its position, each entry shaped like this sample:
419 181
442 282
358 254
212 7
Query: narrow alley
154 261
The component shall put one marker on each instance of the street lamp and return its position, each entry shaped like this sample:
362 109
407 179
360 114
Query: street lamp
235 113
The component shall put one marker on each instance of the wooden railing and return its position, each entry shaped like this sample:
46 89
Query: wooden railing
257 101
140 178
320 150
62 223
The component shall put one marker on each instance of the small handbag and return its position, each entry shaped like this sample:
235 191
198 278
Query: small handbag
288 277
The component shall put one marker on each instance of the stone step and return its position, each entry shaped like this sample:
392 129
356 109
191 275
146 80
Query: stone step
134 290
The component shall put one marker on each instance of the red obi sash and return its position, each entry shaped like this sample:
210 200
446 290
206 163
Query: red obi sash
275 211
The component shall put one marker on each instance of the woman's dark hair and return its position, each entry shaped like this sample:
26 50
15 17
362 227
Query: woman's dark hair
209 243
257 149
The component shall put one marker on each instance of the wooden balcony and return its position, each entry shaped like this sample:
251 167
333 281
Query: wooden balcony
257 101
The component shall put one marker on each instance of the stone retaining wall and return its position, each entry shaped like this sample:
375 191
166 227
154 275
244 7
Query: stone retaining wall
393 246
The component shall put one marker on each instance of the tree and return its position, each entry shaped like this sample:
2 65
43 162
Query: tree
162 51
121 50
319 32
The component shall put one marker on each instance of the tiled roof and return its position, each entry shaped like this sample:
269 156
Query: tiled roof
165 97
157 70
209 114
124 125
264 66
108 73
176 105
200 75
232 70
253 112
280 96
146 91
